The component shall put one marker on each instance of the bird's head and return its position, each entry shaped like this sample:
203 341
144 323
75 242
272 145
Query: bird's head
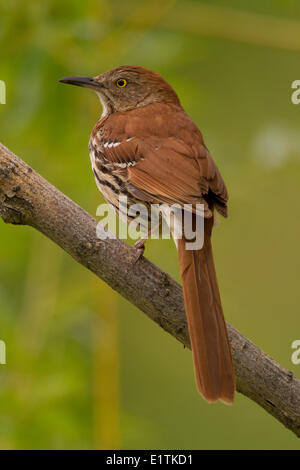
127 87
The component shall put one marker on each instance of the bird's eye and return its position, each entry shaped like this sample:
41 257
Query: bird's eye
121 83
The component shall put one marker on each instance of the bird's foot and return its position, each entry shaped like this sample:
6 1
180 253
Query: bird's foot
140 248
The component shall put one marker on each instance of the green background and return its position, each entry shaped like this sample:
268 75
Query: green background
85 369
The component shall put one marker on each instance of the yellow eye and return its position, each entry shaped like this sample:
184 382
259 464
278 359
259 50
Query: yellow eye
121 83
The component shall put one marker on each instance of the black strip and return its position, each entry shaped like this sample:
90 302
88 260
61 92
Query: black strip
106 183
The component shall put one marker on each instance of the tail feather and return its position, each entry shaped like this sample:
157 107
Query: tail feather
207 328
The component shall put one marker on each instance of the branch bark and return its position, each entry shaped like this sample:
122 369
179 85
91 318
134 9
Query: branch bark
28 199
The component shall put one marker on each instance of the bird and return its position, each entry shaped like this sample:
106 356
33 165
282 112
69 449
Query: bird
146 147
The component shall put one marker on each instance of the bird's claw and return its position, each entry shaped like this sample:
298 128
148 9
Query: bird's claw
140 248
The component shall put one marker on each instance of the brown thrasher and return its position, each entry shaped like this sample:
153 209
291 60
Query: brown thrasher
146 147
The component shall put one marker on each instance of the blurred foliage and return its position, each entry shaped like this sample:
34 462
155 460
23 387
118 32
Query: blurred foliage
84 368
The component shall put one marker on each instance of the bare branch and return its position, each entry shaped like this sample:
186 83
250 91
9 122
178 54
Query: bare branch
27 198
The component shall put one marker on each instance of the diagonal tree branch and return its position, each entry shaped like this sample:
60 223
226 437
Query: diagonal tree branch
28 199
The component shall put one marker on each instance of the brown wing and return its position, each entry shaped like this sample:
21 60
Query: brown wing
161 155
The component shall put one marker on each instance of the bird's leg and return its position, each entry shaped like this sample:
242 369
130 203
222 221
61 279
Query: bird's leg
140 244
140 247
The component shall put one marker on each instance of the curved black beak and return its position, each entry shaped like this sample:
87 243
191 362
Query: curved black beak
86 82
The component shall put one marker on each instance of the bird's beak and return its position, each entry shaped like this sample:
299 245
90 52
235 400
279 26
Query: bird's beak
86 82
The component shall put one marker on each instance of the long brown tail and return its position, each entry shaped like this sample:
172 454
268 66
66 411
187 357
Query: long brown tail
207 328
